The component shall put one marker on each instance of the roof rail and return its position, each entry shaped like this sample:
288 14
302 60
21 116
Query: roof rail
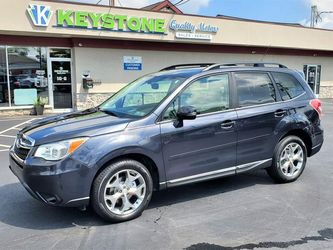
190 65
244 64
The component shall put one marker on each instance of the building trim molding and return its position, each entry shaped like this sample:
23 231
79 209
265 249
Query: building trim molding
155 46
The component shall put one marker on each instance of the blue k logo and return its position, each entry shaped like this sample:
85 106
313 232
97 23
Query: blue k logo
40 14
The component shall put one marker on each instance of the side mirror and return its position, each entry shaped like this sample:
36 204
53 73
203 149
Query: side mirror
155 85
187 113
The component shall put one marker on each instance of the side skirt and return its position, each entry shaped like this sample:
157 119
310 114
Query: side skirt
218 173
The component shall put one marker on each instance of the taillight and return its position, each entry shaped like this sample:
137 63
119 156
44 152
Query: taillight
316 105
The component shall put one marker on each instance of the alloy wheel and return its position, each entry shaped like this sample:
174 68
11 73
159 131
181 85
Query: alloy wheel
291 159
125 192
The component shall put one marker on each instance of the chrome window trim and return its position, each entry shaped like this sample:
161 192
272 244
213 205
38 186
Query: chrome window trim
236 109
271 103
198 116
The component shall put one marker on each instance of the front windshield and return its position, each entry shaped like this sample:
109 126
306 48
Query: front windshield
142 96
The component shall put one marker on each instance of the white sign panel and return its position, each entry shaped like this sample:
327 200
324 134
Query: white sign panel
187 30
40 72
193 36
132 63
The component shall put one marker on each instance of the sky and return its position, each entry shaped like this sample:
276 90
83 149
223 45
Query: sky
289 11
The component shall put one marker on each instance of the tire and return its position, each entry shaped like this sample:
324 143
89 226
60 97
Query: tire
122 191
288 162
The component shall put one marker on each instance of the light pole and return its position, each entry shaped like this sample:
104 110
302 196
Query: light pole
316 15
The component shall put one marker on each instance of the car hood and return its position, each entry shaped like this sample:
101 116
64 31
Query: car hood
91 122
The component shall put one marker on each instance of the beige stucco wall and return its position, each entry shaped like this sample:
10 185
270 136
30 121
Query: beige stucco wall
14 19
106 65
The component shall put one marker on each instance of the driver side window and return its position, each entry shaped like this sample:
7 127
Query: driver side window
207 95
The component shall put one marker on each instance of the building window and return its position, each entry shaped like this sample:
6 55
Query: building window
26 76
28 72
4 93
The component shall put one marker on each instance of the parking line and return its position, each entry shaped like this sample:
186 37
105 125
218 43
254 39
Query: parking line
4 150
16 126
9 136
10 119
5 146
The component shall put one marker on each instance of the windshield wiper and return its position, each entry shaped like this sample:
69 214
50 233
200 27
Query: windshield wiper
106 111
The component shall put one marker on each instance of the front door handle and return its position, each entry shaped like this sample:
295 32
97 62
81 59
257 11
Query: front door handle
227 124
280 113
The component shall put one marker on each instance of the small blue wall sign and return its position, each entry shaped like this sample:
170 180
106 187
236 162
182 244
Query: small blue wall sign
132 63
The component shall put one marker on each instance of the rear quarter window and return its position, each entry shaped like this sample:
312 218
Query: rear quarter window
288 86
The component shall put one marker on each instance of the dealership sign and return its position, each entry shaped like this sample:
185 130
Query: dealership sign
41 16
189 30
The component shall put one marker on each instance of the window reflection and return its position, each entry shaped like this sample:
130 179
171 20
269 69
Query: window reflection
288 86
254 89
212 88
4 94
28 74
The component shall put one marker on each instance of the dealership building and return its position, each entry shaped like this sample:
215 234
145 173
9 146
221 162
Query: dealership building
76 55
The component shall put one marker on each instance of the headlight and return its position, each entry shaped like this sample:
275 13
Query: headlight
58 150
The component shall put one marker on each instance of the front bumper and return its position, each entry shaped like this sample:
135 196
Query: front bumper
54 183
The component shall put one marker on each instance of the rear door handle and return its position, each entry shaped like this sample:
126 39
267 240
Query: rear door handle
227 124
280 113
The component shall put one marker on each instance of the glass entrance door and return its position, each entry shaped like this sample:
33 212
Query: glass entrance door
61 74
312 74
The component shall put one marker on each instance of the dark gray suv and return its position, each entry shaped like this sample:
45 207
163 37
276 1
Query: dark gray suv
184 124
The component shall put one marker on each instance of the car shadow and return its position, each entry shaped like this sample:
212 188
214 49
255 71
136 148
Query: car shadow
20 210
209 188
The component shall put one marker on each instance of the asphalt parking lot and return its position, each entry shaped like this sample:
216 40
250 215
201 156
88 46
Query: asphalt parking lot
243 212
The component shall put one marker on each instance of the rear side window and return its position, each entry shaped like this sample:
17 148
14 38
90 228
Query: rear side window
288 86
254 89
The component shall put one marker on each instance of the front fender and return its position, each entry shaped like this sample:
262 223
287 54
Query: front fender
100 150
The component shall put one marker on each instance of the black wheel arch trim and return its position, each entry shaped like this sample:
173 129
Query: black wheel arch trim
134 153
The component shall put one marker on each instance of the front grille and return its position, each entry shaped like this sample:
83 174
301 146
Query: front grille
22 146
22 153
25 141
